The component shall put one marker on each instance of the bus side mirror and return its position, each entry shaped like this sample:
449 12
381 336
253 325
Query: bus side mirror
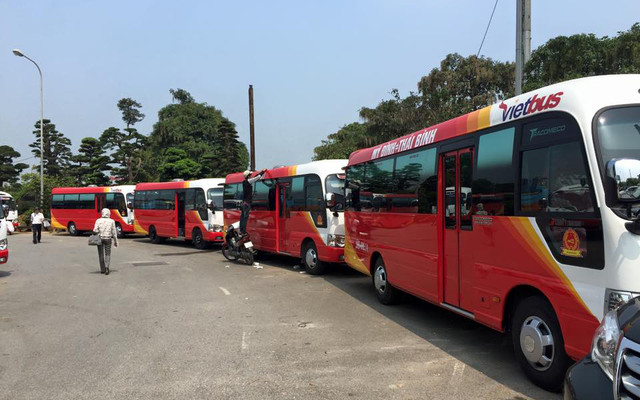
622 180
330 199
211 205
130 205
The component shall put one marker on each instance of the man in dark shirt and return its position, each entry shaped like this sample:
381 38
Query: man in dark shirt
247 196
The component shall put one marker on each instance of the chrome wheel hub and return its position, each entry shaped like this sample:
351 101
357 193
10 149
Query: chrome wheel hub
380 279
311 258
537 344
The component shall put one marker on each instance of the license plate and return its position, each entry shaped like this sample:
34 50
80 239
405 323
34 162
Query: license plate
248 245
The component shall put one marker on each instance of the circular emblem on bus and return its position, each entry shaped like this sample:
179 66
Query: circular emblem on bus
571 243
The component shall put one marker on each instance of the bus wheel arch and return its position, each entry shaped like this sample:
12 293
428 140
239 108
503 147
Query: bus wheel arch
198 239
537 338
310 258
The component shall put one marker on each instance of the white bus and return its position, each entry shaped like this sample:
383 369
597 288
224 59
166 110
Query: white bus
526 218
4 243
295 210
180 209
10 208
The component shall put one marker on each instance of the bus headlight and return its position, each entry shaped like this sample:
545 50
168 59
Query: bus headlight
335 240
4 243
615 298
605 343
215 228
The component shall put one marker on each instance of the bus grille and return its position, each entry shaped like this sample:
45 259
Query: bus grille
628 376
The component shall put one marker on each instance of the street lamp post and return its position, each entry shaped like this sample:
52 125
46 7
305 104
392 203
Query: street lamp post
20 54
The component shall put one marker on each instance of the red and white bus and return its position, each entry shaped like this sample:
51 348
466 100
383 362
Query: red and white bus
524 216
77 208
182 209
4 242
295 211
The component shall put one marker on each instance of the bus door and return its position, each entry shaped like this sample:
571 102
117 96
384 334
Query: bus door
101 203
282 216
457 167
180 209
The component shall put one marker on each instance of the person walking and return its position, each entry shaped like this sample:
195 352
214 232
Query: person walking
106 228
247 196
36 225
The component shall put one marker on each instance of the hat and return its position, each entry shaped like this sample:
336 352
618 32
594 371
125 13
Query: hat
246 173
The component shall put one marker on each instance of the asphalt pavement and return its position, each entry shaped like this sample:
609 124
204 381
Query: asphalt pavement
173 322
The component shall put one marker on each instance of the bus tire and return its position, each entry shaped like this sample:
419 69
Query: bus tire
71 228
153 236
119 230
538 343
312 263
386 293
198 240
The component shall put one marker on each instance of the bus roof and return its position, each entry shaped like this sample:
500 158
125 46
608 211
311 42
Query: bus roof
199 183
94 189
584 95
5 194
322 168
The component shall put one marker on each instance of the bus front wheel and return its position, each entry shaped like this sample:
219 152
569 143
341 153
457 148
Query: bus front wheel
538 343
312 263
386 293
72 229
153 236
119 230
198 239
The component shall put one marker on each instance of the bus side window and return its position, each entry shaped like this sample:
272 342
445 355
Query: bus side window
314 200
201 204
493 183
554 179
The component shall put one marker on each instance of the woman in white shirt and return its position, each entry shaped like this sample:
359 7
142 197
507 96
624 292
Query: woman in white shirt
106 228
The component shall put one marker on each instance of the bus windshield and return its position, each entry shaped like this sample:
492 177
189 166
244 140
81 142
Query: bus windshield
10 204
335 185
618 136
215 195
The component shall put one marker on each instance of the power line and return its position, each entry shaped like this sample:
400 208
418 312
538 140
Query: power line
487 30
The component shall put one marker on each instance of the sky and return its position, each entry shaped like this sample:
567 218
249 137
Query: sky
313 64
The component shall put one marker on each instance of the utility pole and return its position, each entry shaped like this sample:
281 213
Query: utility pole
523 40
252 139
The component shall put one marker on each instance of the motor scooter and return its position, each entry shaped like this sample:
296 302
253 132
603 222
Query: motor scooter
236 247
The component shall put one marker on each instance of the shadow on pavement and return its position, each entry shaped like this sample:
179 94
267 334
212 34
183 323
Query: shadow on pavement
4 273
481 348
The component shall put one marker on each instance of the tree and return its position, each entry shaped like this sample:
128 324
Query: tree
342 143
9 172
563 58
126 145
178 165
202 132
462 85
130 110
90 163
28 193
181 96
56 147
459 86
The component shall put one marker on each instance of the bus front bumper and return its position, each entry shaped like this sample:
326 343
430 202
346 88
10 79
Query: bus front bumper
332 254
4 256
215 237
586 380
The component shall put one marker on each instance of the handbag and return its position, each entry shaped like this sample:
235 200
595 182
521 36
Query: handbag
95 240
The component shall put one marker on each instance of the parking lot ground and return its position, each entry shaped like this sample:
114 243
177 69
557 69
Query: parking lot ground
172 322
